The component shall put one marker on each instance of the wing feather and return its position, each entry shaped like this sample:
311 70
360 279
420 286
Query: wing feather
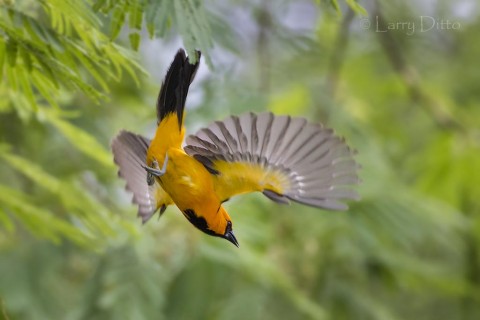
279 127
231 142
285 158
264 128
130 151
291 132
242 138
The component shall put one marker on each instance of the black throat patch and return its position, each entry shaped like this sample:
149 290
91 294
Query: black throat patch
198 222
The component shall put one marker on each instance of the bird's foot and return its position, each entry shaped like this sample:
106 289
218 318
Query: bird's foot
155 170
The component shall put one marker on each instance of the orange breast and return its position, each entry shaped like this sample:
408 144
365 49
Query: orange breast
188 183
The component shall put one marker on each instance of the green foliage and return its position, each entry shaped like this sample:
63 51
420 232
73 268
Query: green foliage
39 221
410 248
353 4
45 57
188 17
80 139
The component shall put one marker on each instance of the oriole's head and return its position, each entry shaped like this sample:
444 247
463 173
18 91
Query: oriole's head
218 224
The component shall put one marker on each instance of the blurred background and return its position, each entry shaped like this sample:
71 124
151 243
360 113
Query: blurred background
400 80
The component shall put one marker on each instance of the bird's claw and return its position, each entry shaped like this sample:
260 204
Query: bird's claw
155 170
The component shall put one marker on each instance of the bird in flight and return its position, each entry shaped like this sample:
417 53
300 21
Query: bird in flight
286 158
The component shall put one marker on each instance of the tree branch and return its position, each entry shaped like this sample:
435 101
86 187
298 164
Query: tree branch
409 75
338 54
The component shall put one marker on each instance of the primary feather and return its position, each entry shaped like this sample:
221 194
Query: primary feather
285 158
130 151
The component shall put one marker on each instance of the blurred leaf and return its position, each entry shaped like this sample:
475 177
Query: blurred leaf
136 15
2 55
356 7
6 222
293 102
81 140
11 50
194 27
39 221
75 199
256 266
134 40
55 52
118 18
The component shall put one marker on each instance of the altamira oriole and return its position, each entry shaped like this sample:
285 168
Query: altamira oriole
283 157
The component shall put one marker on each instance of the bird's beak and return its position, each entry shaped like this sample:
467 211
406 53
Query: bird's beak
231 237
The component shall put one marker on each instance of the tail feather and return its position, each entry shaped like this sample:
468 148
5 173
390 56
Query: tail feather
175 87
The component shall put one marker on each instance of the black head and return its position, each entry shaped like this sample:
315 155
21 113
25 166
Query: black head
229 235
222 229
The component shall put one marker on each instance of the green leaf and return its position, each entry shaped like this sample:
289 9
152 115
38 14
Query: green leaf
334 4
24 80
2 56
194 27
45 86
6 222
150 16
162 20
35 30
12 50
87 63
32 171
81 139
356 7
118 18
12 77
47 71
132 65
39 221
75 199
27 60
98 5
134 40
136 15
21 105
151 30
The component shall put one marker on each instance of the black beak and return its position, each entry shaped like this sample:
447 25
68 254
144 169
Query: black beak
231 237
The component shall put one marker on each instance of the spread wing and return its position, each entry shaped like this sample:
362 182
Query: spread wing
130 151
285 158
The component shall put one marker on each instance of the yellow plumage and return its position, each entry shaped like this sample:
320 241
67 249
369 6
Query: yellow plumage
186 181
284 158
167 135
247 177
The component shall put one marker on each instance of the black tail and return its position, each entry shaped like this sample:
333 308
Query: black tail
175 86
